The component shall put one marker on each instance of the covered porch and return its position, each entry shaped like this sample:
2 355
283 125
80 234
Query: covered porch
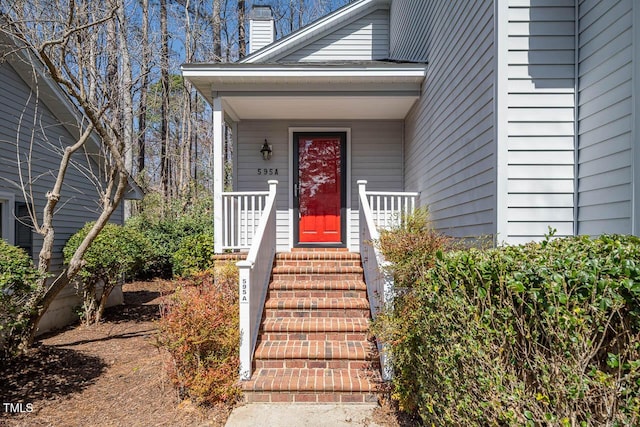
318 161
275 107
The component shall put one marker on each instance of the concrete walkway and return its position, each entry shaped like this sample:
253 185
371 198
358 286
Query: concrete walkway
300 415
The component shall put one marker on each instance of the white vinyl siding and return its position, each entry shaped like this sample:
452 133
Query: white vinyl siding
79 203
605 117
540 119
376 155
261 33
449 133
364 39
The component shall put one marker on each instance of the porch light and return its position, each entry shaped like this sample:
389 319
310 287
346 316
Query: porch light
266 150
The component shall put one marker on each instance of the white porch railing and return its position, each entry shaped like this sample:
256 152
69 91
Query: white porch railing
255 272
388 208
380 210
241 213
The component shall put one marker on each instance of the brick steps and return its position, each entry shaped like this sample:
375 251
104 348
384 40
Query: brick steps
313 342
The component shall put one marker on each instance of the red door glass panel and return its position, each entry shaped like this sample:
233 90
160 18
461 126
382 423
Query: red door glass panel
319 189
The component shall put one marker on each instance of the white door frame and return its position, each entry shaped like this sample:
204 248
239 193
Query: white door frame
347 131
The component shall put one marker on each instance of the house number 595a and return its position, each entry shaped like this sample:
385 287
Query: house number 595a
265 171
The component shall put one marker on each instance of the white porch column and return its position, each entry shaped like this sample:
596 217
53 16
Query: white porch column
218 173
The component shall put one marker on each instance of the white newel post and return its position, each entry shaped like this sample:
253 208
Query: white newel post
218 173
362 189
244 268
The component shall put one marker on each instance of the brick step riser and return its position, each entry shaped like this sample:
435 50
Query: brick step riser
313 364
331 269
323 397
318 285
309 277
287 294
306 326
312 336
324 263
316 250
349 313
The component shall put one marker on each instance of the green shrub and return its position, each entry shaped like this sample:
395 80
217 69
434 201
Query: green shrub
116 253
166 225
412 247
18 279
194 254
545 333
200 330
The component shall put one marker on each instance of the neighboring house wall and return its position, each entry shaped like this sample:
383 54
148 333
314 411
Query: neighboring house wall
40 143
376 155
606 120
364 39
539 119
449 134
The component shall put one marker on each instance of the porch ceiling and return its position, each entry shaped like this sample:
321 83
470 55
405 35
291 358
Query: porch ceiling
310 91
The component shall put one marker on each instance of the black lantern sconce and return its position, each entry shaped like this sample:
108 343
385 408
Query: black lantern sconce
266 150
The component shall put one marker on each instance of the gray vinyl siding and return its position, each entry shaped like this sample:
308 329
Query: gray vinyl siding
540 119
19 116
605 117
376 155
449 134
364 39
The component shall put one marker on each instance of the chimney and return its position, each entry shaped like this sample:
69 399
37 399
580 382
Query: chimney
262 27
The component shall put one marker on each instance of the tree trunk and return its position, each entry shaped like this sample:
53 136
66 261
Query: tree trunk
242 44
125 96
300 13
164 71
217 34
142 109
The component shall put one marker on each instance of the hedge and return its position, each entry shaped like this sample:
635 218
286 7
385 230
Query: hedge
544 333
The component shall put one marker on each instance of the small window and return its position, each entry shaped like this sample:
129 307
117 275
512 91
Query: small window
24 228
6 217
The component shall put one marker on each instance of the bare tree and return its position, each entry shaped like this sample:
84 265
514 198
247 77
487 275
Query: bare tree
69 41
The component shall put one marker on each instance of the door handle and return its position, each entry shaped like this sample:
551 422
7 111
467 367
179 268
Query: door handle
296 190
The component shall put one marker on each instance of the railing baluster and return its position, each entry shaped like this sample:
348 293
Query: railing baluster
253 215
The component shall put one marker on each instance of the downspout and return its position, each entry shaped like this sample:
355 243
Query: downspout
576 94
500 112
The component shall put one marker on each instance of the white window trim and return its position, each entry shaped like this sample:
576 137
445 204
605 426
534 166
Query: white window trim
8 217
350 244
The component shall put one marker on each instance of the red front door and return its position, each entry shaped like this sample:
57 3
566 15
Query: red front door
319 187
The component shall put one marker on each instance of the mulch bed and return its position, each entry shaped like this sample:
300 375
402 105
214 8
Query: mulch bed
112 374
109 374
